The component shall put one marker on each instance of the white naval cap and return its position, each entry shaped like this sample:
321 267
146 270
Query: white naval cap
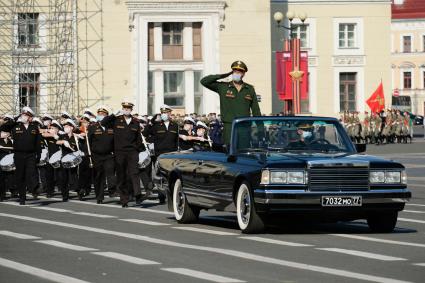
28 111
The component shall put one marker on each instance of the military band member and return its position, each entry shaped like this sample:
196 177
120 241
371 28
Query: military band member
85 173
237 98
101 141
186 134
127 145
69 144
27 150
53 175
6 178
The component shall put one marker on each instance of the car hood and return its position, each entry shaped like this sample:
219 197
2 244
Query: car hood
282 160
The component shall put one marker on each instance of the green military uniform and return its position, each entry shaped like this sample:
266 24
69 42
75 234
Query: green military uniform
233 103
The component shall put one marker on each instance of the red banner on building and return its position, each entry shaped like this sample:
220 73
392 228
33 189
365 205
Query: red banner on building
284 81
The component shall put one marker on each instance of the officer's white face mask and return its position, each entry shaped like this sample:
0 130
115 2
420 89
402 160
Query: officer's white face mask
47 123
25 119
68 129
307 134
164 117
236 77
126 112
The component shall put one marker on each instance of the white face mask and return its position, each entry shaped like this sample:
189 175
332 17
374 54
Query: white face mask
46 123
164 117
236 77
99 118
307 134
67 129
25 119
126 112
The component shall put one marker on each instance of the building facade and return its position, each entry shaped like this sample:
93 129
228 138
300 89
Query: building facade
347 62
408 55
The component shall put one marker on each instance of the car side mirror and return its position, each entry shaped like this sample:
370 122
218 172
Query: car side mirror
231 158
360 147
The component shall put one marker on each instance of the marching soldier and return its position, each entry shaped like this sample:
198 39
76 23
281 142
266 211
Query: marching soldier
6 178
101 142
376 122
366 127
165 136
237 98
53 176
127 144
27 150
85 167
69 144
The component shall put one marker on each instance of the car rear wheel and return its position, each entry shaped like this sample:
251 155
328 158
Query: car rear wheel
248 219
382 222
183 211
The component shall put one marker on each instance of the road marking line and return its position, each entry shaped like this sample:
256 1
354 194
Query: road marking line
414 211
66 246
221 251
362 254
415 204
52 209
411 220
419 264
207 231
94 215
18 235
153 223
126 258
202 275
41 273
379 240
277 242
140 209
16 203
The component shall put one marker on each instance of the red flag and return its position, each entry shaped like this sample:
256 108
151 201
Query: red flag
376 101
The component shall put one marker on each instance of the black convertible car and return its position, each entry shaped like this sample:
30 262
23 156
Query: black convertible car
281 165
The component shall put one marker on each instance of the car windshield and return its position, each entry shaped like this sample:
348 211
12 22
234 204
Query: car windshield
280 134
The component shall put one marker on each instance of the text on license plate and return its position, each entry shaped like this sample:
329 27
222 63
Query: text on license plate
342 201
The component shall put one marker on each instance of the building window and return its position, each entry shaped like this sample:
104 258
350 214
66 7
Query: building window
301 32
198 91
172 41
172 33
174 88
28 29
29 86
347 91
151 93
347 35
407 80
407 43
197 41
151 47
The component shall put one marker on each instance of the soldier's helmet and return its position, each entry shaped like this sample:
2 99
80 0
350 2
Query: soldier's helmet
239 65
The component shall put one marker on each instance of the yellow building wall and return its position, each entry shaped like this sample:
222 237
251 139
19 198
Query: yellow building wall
246 37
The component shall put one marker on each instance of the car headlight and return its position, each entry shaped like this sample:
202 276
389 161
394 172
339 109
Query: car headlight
393 177
388 177
282 177
377 177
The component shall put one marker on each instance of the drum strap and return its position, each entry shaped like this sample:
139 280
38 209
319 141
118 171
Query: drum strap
76 142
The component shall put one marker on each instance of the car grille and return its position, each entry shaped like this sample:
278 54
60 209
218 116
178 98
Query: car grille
339 179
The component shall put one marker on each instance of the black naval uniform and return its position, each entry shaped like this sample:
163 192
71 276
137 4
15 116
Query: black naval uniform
27 150
53 175
127 145
6 178
185 145
68 176
102 149
84 171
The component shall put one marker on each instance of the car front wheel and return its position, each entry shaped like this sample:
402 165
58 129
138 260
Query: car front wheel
183 211
249 221
382 222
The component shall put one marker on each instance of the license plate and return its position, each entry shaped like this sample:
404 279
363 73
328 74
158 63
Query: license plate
342 201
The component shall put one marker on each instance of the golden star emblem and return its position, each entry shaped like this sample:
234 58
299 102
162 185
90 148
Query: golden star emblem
380 100
296 74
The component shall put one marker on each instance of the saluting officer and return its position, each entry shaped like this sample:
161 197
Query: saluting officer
27 149
237 98
127 144
101 141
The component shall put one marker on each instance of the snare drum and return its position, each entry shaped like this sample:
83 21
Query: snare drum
71 160
55 159
7 163
44 157
144 159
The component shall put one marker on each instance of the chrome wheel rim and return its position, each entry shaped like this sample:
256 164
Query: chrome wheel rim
245 206
180 201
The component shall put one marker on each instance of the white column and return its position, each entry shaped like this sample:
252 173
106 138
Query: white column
140 50
158 80
187 42
157 38
189 89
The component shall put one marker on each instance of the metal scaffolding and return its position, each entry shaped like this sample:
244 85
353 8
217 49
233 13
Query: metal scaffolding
40 45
